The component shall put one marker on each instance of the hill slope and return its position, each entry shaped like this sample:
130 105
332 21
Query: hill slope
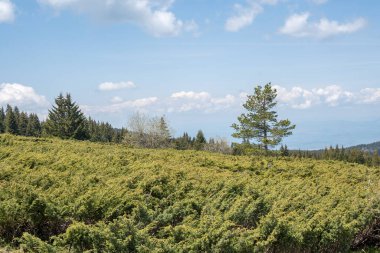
368 147
59 195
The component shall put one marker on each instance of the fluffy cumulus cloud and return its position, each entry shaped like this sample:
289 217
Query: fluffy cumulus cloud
21 95
184 101
152 15
109 86
7 11
299 25
296 97
333 95
244 15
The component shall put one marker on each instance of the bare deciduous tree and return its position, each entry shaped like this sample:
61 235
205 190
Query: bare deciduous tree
147 132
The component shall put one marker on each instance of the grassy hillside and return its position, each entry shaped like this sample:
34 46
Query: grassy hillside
57 196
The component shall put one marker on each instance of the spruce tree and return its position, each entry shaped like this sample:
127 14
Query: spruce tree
10 121
65 120
16 112
183 142
34 126
2 121
260 122
163 132
200 140
23 123
164 128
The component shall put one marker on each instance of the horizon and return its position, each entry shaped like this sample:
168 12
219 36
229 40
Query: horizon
196 67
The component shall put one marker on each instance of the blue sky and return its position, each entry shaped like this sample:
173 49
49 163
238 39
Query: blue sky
195 61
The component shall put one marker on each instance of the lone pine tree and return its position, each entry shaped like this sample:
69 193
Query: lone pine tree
260 122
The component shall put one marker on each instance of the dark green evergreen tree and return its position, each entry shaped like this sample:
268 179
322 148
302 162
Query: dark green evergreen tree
2 121
23 123
10 121
184 142
284 150
200 141
118 134
260 122
65 120
16 112
34 126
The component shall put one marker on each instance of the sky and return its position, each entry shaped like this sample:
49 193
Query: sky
195 61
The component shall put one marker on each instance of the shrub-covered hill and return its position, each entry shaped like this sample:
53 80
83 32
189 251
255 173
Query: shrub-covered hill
69 196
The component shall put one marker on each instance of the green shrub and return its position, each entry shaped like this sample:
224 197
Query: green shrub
60 196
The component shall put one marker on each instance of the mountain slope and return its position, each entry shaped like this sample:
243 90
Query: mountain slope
57 196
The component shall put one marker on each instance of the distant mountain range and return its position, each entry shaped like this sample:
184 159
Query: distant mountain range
368 147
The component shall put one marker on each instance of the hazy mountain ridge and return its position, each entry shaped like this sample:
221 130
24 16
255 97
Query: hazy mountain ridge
367 147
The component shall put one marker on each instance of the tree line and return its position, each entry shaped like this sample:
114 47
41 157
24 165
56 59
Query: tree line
66 121
259 129
351 155
13 121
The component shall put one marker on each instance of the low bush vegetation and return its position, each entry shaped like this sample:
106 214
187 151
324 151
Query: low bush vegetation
72 196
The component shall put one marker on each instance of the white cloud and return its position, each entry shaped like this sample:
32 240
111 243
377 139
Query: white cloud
369 95
152 15
333 95
244 16
296 97
108 86
187 101
319 1
298 25
120 106
116 99
191 95
7 11
21 95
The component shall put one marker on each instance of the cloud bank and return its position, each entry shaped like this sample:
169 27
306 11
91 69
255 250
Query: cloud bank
296 97
333 95
185 101
119 105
